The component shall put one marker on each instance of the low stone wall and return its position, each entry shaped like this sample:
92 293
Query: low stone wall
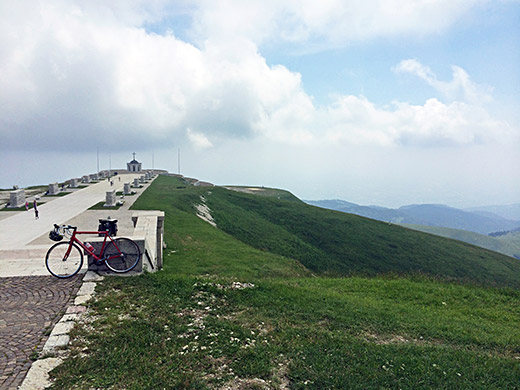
149 236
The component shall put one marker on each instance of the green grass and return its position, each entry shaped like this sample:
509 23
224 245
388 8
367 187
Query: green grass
99 206
16 208
62 193
335 243
192 326
506 245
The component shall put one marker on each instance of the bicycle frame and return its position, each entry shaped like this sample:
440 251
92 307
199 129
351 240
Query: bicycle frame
74 239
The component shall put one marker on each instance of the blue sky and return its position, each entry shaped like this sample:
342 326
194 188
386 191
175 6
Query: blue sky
377 102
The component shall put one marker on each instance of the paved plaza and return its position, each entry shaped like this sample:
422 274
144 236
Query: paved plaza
30 307
32 301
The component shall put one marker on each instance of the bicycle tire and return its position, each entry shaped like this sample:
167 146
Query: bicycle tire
122 255
62 267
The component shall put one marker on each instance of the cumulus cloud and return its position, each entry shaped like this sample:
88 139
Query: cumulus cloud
460 88
199 140
355 120
75 74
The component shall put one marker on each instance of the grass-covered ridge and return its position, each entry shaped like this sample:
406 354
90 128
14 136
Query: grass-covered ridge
224 314
330 242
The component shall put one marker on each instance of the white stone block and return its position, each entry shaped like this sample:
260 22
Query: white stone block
17 198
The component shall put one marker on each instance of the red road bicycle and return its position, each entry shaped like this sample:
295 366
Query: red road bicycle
65 259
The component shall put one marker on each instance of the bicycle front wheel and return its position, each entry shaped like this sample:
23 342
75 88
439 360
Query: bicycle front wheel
61 265
122 255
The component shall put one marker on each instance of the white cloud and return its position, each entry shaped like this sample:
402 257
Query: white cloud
199 140
460 88
74 74
327 22
355 120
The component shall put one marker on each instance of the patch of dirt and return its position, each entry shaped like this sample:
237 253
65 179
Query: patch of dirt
246 384
386 339
247 190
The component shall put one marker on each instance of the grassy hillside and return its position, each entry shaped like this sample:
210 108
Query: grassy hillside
508 244
224 314
334 243
511 239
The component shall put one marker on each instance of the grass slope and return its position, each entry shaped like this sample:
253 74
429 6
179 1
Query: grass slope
226 315
506 246
331 242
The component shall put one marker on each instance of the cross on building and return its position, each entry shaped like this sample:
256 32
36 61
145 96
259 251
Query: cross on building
134 165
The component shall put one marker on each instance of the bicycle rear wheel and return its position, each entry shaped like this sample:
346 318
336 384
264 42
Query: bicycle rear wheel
59 264
122 255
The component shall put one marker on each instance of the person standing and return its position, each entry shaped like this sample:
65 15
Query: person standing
26 206
35 206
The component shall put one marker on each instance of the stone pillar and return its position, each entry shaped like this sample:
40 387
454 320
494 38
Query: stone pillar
53 189
17 199
93 176
74 183
127 190
142 179
111 199
86 179
136 183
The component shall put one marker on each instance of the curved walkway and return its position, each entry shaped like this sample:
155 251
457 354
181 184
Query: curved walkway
30 307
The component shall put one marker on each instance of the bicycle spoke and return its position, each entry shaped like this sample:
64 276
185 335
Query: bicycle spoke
61 266
122 255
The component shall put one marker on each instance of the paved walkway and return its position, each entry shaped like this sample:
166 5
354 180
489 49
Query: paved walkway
24 240
21 228
30 306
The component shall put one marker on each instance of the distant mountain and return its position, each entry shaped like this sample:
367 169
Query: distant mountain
511 211
483 222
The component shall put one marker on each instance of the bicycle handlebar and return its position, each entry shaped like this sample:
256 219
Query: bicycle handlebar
64 227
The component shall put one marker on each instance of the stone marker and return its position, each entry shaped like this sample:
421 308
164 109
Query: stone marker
111 199
94 176
17 198
86 179
136 183
53 189
127 190
74 182
142 179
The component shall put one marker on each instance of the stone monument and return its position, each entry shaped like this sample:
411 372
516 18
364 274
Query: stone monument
111 199
126 189
74 182
136 183
86 179
53 189
17 198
